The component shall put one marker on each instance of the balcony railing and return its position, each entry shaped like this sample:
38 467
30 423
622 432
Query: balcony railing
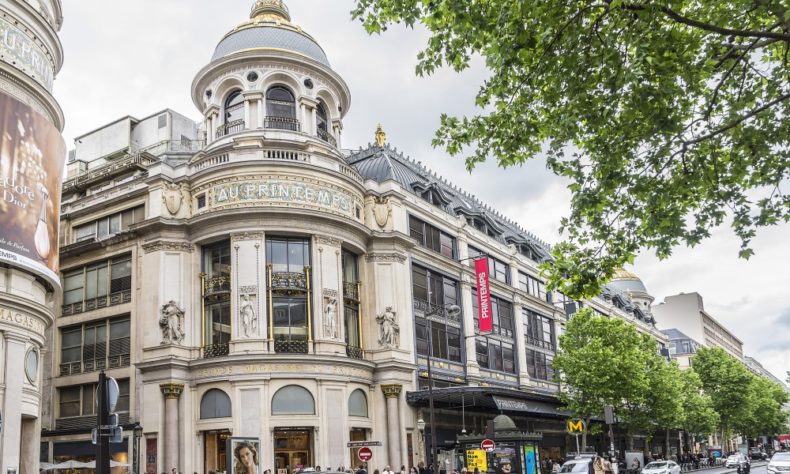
92 365
292 281
327 137
282 123
230 127
434 310
539 343
119 297
354 352
216 287
216 350
290 346
351 291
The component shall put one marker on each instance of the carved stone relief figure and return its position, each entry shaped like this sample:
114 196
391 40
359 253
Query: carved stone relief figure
247 316
173 197
389 331
382 211
171 321
330 317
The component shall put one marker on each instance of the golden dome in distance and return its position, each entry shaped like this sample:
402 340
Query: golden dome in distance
627 281
622 274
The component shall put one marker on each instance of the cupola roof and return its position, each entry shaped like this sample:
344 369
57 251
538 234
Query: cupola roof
624 280
269 28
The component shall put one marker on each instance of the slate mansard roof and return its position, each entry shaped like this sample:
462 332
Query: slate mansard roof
385 163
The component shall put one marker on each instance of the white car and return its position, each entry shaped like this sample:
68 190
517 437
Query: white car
661 467
779 463
735 460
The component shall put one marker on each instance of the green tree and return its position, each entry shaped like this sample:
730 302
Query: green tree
659 406
699 416
766 417
666 116
601 361
728 383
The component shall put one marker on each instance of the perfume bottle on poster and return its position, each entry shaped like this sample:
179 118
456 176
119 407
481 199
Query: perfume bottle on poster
42 228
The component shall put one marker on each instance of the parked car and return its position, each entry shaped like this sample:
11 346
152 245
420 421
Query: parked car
661 467
579 465
779 463
756 453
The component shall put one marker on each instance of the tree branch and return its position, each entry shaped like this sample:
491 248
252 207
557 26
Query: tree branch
739 121
707 26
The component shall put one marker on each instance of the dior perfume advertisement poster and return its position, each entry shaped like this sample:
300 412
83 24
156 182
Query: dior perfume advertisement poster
243 455
32 155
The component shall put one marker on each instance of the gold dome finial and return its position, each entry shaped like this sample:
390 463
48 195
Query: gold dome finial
270 9
381 137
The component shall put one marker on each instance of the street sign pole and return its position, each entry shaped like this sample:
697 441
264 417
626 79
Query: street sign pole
102 415
578 451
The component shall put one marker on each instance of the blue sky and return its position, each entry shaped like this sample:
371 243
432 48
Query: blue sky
136 58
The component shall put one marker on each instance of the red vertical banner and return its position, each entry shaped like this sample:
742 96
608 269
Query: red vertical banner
483 295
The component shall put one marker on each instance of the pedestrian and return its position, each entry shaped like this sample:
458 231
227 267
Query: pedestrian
318 469
375 471
387 470
599 467
413 470
403 470
477 471
361 470
421 468
555 467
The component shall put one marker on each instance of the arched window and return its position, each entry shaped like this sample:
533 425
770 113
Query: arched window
215 404
358 404
281 109
233 114
321 123
234 107
293 400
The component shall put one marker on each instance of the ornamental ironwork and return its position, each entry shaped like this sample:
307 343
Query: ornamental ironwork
290 346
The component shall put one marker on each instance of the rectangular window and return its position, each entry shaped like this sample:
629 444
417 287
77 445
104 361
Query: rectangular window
533 286
109 225
432 293
497 269
538 330
431 237
289 258
501 315
79 400
89 347
539 365
496 355
97 285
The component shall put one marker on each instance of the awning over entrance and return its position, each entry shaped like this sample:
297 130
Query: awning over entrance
494 399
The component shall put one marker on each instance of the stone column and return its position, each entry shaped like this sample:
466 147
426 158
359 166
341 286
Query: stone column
521 343
12 409
172 392
247 105
261 111
392 394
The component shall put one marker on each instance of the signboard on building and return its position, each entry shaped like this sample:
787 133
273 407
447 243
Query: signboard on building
360 444
32 153
476 458
483 295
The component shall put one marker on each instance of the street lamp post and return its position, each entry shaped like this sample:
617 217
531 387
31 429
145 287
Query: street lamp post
452 310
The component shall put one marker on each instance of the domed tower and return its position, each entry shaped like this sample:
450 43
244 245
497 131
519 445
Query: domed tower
269 77
632 285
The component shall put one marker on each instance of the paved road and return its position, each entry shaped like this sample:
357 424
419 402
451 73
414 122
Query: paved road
757 468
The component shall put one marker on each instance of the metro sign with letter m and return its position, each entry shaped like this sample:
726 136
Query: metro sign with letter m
574 426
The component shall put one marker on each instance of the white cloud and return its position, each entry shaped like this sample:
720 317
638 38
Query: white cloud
135 58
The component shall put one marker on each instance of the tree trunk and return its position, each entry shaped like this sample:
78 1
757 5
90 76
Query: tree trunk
629 437
666 444
584 435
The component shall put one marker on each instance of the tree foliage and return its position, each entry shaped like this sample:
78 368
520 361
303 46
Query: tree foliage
602 361
699 416
667 117
766 416
728 383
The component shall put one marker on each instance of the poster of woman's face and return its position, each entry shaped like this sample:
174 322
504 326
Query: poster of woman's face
243 455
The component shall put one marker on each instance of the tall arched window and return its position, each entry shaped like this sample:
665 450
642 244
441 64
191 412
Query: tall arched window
233 114
321 122
281 109
358 404
215 404
293 400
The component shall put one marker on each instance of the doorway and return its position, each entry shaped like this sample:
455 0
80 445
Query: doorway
215 455
292 450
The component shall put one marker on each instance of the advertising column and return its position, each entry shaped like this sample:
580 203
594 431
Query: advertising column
32 154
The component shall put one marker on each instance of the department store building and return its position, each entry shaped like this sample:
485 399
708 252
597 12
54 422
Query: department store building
247 276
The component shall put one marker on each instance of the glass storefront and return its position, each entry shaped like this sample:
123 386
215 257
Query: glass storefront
292 450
